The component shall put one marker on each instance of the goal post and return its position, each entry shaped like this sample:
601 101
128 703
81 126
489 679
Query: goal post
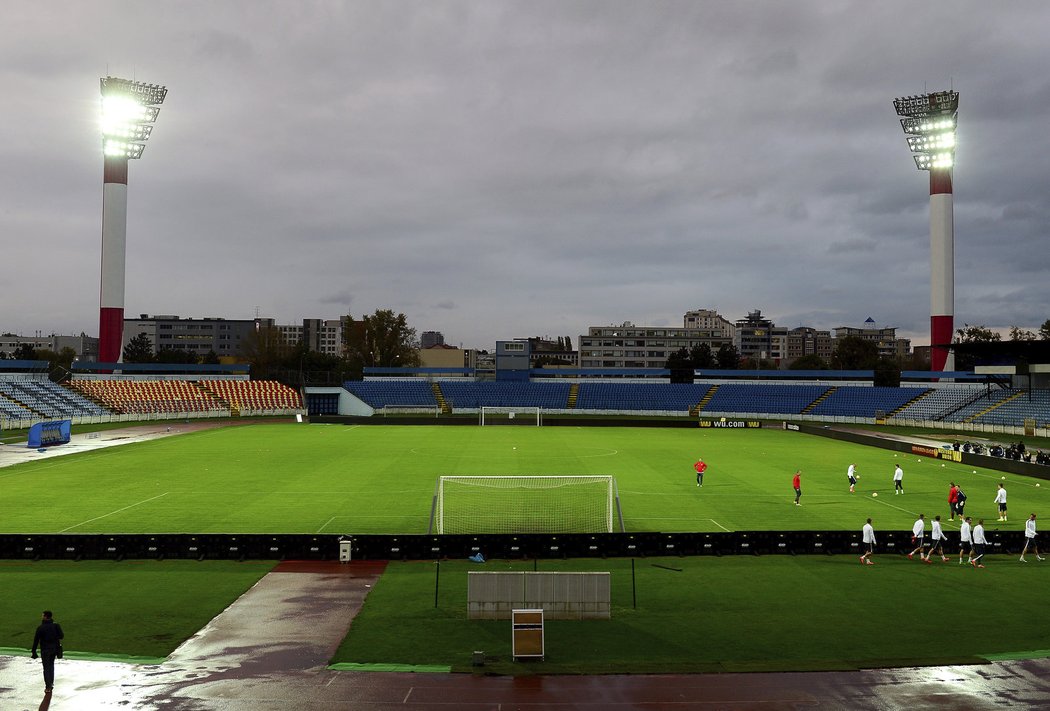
490 415
586 503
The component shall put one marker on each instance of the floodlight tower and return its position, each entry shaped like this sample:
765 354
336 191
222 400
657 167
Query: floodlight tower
930 121
129 110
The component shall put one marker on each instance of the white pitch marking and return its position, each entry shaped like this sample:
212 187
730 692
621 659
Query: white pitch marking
326 524
144 501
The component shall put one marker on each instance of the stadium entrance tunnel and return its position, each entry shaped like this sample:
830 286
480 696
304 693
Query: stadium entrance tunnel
67 546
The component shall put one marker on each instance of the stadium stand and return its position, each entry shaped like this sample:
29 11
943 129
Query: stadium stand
396 393
149 396
764 398
472 395
865 401
47 399
1013 410
938 403
253 395
667 397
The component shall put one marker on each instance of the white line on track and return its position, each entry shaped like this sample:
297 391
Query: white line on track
139 503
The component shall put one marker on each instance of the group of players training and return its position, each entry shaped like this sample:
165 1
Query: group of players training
972 539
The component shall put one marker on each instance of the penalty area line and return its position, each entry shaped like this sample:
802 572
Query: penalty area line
139 503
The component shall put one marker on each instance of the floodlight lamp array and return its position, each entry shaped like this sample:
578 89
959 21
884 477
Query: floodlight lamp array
930 120
112 148
941 102
934 161
129 110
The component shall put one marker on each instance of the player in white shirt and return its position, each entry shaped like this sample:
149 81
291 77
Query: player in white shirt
917 531
938 541
868 537
979 542
898 480
1000 498
851 474
965 540
1029 539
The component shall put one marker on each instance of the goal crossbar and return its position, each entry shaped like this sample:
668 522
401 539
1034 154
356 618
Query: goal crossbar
585 503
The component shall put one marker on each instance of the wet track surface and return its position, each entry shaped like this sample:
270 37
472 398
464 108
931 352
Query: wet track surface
269 651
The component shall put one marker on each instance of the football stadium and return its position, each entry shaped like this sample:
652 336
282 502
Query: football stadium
248 514
177 513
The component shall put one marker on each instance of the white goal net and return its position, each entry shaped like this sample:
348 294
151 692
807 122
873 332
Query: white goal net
488 415
526 504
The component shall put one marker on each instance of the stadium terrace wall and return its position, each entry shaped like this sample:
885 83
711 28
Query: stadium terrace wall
447 547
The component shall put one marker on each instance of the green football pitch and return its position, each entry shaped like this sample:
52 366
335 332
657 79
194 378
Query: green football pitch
299 478
669 614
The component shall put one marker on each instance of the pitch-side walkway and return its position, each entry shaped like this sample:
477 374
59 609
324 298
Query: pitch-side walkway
268 652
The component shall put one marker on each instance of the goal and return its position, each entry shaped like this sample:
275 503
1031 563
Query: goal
583 503
488 415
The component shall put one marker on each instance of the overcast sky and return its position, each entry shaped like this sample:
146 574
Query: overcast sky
498 170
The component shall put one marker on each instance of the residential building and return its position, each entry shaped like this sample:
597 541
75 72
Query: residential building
758 338
884 338
805 340
195 335
630 346
85 347
710 321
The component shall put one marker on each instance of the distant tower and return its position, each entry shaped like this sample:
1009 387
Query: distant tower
930 121
129 110
429 339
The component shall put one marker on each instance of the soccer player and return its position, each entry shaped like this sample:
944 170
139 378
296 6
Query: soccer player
965 540
938 541
979 542
700 467
797 483
1000 498
917 531
1029 538
953 497
960 501
868 536
851 474
898 480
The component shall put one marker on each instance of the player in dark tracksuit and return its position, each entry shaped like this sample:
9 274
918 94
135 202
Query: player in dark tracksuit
48 637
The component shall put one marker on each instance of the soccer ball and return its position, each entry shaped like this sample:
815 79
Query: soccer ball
1002 477
874 493
1037 483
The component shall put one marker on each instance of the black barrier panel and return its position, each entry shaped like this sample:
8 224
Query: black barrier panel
674 544
712 543
818 543
462 546
112 548
782 543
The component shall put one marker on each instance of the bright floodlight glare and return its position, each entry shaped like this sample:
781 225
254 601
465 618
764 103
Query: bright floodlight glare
122 149
928 125
930 143
129 109
928 161
931 120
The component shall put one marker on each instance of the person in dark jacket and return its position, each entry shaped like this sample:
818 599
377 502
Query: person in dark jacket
48 637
